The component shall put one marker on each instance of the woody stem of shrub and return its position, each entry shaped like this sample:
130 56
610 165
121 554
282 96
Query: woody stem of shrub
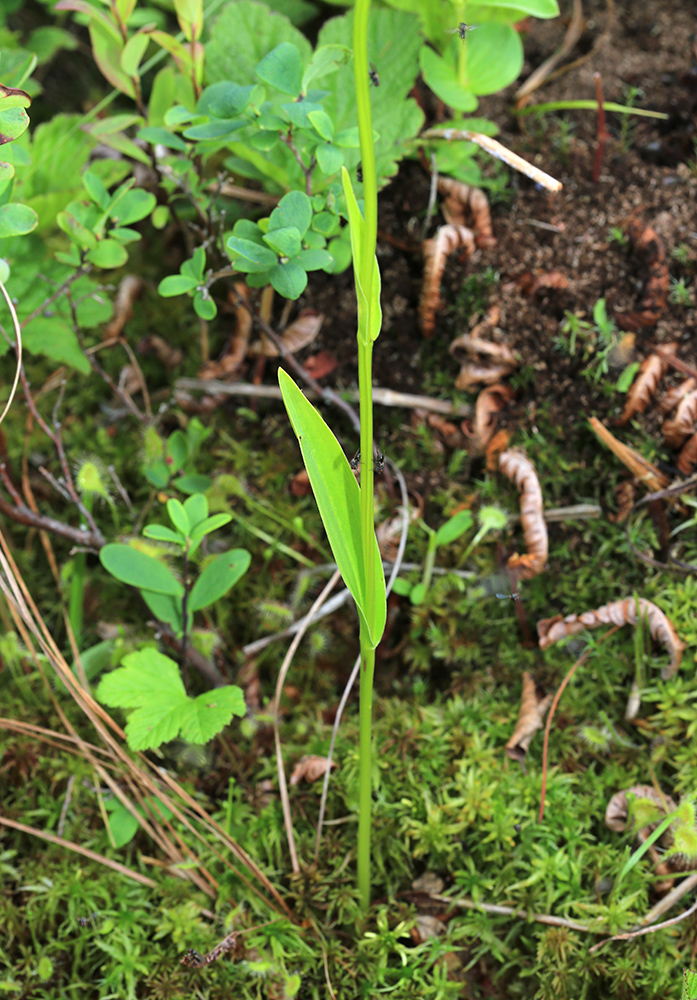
365 360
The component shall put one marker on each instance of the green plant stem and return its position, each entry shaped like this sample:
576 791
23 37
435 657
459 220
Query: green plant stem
365 767
430 560
365 383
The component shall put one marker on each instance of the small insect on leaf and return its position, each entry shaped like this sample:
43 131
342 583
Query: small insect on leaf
505 597
461 29
373 74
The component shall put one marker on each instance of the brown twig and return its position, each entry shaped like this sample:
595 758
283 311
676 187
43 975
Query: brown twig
603 134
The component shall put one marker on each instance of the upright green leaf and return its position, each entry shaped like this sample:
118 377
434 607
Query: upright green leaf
338 498
282 68
218 577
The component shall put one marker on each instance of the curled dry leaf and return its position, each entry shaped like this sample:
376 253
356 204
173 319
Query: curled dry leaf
530 284
490 403
483 361
687 459
624 612
167 355
429 882
498 443
310 768
625 493
519 469
640 467
678 430
533 706
617 812
301 332
425 927
449 432
235 350
653 302
320 365
389 532
129 290
644 385
459 198
675 394
436 251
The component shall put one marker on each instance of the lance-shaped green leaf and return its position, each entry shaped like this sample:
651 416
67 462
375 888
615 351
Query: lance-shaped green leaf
338 498
369 314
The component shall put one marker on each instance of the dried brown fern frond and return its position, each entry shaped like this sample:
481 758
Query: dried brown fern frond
534 703
519 469
436 251
624 612
644 386
461 198
683 424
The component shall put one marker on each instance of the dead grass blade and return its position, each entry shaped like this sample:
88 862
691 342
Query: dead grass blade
640 467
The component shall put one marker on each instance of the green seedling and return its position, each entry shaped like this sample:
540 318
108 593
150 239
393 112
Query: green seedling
171 600
172 462
447 533
680 293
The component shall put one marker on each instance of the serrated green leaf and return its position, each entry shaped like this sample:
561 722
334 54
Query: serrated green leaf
208 714
144 677
218 577
338 498
131 566
242 35
55 338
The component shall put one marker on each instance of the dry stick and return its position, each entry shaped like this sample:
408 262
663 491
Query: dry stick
498 150
356 667
285 666
509 911
603 134
552 710
383 397
645 930
663 905
18 349
538 77
85 851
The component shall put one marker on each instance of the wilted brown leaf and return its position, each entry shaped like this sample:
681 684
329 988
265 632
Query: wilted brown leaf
300 484
310 768
624 612
653 302
459 199
644 385
235 350
682 426
129 290
425 927
436 251
301 332
687 459
675 394
519 469
533 706
320 365
625 493
449 432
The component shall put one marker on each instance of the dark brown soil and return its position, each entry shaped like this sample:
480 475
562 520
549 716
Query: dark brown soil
649 174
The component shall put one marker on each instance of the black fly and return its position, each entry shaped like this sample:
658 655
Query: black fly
462 29
373 74
359 173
